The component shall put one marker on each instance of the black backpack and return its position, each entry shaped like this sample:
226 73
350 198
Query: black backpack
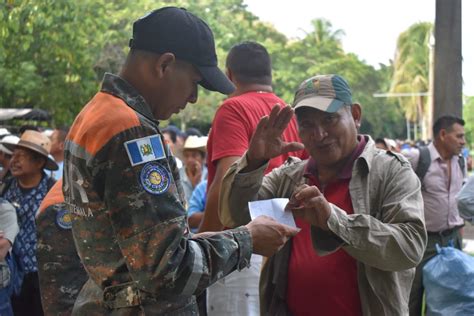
425 161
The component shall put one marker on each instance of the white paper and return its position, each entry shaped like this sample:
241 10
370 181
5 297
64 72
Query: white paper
274 208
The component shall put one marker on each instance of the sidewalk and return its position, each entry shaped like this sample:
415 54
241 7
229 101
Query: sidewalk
468 238
468 246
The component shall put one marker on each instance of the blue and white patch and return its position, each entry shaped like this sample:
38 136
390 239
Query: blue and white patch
155 179
64 219
145 149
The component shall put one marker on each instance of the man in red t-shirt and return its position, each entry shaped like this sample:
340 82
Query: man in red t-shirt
249 68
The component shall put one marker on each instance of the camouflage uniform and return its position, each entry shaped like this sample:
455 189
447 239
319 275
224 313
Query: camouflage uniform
130 226
61 274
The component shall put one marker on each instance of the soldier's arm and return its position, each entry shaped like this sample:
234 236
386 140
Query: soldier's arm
150 227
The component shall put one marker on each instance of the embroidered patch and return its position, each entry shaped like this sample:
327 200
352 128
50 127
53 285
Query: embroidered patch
155 179
64 219
145 149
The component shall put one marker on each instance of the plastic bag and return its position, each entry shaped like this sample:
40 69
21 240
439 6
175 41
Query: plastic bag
465 199
448 279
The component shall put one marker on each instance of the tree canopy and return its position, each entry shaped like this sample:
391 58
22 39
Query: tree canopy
53 54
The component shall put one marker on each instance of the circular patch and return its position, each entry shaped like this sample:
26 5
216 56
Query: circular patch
64 219
155 179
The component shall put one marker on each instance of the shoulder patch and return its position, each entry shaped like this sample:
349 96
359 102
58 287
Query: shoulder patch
145 149
155 179
64 219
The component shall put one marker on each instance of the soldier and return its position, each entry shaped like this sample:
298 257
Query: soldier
61 274
130 226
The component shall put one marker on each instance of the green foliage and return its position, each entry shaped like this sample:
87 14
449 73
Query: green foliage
47 52
412 67
468 116
53 54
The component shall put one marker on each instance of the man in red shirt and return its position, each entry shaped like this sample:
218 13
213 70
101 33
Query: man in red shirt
249 68
359 209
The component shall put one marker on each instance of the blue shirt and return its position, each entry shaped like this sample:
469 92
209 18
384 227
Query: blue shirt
197 202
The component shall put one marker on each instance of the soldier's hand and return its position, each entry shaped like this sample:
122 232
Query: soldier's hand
308 203
266 142
269 236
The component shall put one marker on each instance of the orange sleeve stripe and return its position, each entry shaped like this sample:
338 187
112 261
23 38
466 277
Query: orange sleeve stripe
104 110
54 196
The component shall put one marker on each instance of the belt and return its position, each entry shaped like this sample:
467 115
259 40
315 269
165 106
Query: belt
446 232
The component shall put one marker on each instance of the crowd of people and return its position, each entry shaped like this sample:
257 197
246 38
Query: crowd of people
116 215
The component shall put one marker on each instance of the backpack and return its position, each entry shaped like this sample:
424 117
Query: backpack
424 163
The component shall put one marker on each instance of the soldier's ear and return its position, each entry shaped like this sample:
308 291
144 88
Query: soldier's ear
163 64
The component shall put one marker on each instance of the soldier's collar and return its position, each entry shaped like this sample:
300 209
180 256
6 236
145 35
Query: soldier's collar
117 86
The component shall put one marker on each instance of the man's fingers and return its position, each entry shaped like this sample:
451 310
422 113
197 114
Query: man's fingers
293 202
283 118
272 118
300 187
261 125
309 192
293 146
290 231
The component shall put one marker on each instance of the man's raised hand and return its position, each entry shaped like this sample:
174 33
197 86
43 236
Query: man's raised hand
267 142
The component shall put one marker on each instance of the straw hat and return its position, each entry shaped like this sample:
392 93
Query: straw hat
36 142
196 143
9 139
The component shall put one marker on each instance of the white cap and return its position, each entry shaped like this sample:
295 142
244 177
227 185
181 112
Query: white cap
10 140
391 144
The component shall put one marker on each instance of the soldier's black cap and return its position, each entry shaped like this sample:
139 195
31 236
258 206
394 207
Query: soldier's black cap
175 30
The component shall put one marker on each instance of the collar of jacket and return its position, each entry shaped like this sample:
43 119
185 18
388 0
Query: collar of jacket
118 87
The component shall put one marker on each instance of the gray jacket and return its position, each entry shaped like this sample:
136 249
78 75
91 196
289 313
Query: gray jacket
8 220
386 234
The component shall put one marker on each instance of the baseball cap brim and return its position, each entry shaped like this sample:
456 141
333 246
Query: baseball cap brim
320 103
215 80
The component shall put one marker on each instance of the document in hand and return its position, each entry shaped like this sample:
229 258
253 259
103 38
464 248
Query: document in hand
274 208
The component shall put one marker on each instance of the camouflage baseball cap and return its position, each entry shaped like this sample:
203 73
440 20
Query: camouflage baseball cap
323 92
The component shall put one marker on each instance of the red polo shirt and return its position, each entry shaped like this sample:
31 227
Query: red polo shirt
324 285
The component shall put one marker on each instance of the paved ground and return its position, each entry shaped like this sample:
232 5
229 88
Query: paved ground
469 238
469 231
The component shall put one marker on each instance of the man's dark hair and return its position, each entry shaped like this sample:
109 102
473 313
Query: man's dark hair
193 131
25 128
446 122
173 131
250 63
62 131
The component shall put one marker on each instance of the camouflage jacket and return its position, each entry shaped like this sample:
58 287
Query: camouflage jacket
130 226
61 274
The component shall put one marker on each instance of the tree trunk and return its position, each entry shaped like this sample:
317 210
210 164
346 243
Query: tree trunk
448 59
